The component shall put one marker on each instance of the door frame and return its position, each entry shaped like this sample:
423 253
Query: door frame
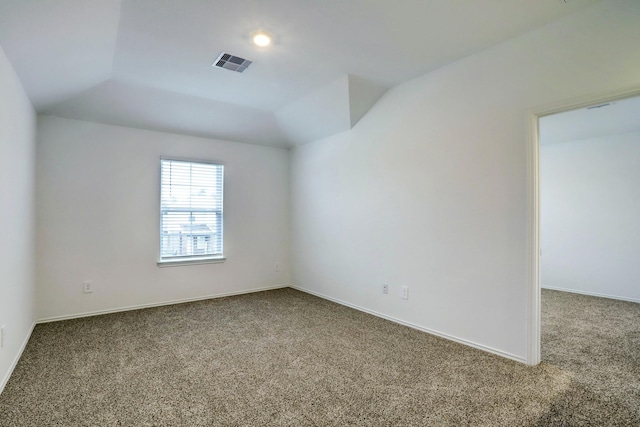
533 356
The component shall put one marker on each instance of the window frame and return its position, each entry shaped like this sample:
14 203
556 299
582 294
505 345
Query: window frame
189 259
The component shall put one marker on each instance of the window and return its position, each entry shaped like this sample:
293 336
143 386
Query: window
191 214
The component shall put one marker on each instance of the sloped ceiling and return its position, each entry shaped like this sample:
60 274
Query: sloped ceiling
147 63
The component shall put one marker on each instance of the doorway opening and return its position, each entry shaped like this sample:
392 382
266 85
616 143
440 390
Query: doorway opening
585 201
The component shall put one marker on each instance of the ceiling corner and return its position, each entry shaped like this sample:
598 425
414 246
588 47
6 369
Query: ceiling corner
363 94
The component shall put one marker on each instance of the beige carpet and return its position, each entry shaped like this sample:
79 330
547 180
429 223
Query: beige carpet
285 358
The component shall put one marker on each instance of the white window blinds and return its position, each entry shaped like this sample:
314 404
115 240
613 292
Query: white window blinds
191 214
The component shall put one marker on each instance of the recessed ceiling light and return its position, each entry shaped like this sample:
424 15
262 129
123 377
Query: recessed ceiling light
261 39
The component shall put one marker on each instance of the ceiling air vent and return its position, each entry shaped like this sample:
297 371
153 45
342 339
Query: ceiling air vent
230 62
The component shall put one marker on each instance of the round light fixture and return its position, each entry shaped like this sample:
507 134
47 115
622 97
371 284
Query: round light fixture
261 39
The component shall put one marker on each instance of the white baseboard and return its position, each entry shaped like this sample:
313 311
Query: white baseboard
592 294
5 380
156 304
418 327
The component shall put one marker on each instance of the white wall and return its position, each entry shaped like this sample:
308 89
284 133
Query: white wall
98 218
17 215
429 189
590 216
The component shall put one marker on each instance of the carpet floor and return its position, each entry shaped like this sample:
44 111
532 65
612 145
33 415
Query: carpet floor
286 358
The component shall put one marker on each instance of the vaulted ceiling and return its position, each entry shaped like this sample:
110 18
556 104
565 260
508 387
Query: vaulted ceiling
147 63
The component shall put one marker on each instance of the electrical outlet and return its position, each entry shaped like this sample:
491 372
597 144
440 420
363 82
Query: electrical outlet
2 336
404 292
385 288
277 267
87 286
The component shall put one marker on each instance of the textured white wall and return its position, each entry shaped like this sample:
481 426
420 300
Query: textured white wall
17 215
98 218
429 189
590 216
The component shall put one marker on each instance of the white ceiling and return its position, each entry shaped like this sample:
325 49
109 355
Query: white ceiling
147 63
611 118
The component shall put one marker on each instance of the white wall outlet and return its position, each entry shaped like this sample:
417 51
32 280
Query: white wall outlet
87 286
277 267
385 288
404 292
2 336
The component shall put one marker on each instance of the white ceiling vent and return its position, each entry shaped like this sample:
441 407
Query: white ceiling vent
230 62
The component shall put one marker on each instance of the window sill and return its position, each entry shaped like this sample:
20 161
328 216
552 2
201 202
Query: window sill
190 261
